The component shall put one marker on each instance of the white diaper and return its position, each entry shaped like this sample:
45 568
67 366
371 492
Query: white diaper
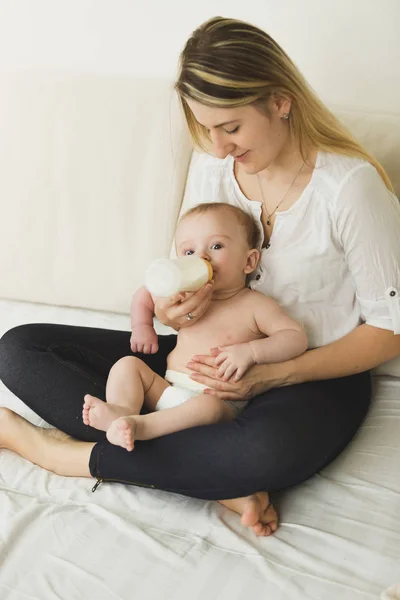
182 388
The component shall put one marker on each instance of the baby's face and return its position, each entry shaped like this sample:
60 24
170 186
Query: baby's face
219 238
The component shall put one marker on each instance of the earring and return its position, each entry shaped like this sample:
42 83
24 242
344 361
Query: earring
286 116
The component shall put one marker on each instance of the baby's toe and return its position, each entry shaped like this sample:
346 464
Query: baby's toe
129 439
89 401
85 416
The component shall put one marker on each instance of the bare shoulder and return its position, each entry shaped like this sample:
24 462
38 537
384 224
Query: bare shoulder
258 300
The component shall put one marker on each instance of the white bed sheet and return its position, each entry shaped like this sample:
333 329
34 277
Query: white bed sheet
339 536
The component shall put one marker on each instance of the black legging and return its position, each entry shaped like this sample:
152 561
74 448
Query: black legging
282 438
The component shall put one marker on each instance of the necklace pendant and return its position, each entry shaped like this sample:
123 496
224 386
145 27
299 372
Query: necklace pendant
268 222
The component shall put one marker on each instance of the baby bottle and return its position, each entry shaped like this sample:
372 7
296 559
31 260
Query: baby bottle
166 277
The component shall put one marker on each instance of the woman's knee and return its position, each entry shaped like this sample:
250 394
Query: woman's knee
13 343
16 347
13 335
24 336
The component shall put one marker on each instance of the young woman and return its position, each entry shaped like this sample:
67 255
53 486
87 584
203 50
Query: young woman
331 230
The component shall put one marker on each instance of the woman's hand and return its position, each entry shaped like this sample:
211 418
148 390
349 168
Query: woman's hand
258 379
172 311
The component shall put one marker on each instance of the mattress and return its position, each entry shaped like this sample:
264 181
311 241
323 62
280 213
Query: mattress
339 535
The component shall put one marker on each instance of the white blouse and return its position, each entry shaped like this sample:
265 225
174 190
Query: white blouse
333 261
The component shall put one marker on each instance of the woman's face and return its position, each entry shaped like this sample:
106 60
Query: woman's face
254 139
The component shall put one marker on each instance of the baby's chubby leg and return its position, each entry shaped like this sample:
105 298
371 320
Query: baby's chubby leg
130 380
204 409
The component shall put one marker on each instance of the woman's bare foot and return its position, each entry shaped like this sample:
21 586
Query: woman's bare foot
256 512
99 414
7 420
49 448
122 432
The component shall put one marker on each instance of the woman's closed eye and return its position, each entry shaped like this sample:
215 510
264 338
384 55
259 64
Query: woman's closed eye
232 131
226 131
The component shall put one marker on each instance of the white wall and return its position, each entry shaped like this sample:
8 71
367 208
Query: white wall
348 49
85 115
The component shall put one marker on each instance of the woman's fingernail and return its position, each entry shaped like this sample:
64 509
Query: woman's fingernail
190 365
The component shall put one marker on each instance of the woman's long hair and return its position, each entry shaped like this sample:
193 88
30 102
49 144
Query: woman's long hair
228 63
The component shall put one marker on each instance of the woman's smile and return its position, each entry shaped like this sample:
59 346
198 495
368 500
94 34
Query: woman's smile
242 157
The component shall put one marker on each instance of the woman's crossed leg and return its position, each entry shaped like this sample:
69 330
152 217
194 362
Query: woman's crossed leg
58 452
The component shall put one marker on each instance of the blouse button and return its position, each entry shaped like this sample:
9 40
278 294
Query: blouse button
258 277
392 293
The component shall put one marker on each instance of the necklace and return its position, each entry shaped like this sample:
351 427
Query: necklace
269 215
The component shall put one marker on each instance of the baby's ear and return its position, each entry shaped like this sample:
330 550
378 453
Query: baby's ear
252 260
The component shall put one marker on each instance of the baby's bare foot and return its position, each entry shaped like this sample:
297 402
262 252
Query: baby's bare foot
99 414
256 512
122 432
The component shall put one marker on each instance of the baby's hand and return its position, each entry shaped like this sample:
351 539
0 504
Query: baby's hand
233 359
144 339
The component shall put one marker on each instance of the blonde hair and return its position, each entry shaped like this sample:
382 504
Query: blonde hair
228 63
246 221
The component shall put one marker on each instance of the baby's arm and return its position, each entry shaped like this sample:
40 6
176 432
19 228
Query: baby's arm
286 339
144 338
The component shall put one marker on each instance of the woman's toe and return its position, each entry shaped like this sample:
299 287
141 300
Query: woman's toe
273 526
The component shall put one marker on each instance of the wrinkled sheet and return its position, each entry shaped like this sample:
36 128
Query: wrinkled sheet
339 535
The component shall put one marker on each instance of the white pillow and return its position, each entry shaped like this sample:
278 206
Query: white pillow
390 367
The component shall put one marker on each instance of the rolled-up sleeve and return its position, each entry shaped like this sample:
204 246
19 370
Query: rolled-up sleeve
368 225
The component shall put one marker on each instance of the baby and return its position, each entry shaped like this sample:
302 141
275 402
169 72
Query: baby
241 327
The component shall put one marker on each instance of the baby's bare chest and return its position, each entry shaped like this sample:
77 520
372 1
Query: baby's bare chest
222 325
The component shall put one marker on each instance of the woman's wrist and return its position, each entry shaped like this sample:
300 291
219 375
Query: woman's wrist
162 317
274 375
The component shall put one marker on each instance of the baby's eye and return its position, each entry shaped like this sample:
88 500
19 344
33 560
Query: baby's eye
189 252
216 246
